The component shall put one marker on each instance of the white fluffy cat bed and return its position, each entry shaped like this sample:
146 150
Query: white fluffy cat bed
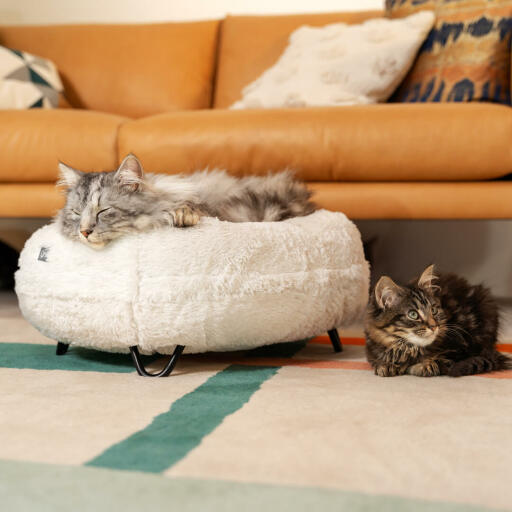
217 286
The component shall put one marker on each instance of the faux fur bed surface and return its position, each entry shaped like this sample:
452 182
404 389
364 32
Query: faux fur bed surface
214 287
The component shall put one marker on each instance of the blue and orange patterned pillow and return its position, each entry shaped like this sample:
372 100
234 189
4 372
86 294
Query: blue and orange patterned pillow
466 56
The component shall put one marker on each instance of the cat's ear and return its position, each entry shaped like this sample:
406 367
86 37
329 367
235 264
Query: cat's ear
427 279
130 173
387 292
68 177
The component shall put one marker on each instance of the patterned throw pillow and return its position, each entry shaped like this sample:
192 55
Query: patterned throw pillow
467 54
27 81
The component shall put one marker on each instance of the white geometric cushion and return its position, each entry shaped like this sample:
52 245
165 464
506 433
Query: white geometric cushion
340 64
216 286
27 81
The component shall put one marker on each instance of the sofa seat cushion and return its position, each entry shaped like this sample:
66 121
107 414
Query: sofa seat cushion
394 142
417 200
33 141
358 200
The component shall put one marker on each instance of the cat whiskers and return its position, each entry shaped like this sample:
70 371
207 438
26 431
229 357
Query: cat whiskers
457 327
458 331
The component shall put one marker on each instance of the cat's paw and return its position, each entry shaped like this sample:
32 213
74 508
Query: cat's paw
185 217
400 352
387 370
427 368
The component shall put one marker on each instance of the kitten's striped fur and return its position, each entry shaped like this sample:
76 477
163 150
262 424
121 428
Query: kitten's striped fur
103 206
436 325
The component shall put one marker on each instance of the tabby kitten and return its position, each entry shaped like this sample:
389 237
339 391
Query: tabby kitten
103 206
436 325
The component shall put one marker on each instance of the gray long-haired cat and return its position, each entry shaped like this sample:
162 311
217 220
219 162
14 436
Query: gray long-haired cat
103 206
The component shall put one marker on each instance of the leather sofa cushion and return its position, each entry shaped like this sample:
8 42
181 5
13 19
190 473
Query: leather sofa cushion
33 141
251 44
393 142
470 200
417 200
132 70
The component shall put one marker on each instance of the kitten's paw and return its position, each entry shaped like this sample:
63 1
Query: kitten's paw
185 217
424 369
400 352
387 370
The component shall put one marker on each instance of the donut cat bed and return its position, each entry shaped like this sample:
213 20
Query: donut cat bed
217 286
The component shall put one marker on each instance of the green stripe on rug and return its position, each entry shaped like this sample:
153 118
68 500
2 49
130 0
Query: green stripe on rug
173 434
43 357
53 488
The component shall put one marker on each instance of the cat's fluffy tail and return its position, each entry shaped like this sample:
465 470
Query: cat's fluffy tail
268 198
487 361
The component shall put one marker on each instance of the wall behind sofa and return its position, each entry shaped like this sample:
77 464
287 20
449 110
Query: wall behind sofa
18 12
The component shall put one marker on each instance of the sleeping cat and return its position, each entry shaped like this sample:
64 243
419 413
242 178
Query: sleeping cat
436 325
103 206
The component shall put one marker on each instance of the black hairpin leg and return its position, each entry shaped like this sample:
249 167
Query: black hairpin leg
335 340
168 368
62 348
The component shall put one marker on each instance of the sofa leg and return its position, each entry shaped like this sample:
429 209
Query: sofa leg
62 348
335 340
168 368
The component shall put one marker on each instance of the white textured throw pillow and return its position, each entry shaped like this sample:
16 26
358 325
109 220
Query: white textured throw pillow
340 64
27 81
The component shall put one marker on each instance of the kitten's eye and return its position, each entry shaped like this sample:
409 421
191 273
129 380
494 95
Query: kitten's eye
413 315
434 310
75 212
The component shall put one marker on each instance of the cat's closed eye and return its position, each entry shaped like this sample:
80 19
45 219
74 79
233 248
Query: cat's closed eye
413 314
76 212
103 211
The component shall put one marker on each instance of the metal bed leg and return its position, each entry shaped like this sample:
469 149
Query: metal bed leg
335 340
168 368
62 348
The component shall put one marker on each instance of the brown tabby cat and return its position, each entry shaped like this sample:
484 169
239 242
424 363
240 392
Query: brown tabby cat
436 325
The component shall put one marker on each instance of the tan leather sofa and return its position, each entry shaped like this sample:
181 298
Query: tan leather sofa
161 91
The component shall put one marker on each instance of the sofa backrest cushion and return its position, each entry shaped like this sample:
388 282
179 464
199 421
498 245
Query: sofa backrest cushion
132 70
251 44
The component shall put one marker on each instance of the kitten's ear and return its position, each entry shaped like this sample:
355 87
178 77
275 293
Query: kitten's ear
130 173
426 279
68 177
387 292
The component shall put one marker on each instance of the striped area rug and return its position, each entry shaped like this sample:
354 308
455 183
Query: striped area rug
286 427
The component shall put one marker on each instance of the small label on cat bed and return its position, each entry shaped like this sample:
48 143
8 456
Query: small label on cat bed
43 254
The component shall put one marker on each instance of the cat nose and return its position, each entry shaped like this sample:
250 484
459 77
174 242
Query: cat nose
86 232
